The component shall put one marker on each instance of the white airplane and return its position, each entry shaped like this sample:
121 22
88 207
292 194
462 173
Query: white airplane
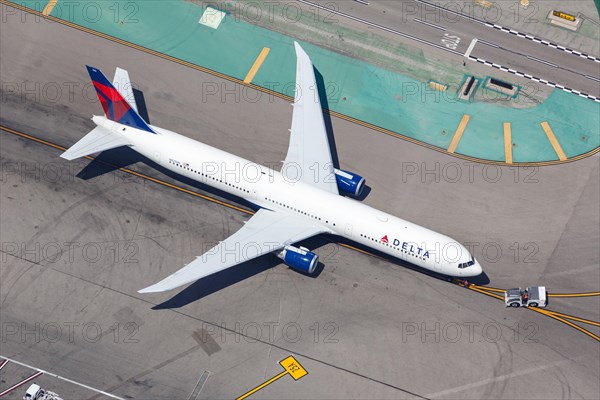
301 201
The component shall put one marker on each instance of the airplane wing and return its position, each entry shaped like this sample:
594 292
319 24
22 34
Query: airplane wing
309 156
265 232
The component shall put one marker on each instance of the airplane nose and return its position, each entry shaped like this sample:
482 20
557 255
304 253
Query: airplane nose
475 270
478 270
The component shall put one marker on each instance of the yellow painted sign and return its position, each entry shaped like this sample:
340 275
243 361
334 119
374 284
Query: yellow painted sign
291 366
563 15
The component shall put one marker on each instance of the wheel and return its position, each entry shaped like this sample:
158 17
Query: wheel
533 304
514 304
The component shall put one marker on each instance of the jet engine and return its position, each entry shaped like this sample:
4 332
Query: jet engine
349 182
300 259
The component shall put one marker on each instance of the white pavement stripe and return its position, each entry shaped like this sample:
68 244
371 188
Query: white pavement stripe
382 27
536 79
496 26
41 371
471 46
592 78
488 43
441 28
543 61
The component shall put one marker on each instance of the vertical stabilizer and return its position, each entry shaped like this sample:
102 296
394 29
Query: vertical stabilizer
116 107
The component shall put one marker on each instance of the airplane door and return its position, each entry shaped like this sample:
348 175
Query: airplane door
348 230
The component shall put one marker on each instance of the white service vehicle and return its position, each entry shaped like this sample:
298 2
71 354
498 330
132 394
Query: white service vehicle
35 392
533 296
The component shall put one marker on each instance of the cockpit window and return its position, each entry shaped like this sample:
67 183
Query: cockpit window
467 264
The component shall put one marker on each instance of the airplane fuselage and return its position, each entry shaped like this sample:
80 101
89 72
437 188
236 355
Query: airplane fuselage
272 190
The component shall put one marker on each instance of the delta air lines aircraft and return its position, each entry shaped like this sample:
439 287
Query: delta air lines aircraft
301 201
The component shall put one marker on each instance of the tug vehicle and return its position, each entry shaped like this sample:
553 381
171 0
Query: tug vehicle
533 296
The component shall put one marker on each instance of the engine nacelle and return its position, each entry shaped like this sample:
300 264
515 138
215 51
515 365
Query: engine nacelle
300 259
348 182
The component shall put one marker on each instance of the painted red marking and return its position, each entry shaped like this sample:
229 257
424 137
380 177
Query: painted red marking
32 377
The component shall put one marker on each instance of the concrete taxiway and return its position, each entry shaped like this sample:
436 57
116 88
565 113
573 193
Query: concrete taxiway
447 30
79 240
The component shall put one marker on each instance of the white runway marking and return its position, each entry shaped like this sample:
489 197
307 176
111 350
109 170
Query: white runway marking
471 46
441 28
542 61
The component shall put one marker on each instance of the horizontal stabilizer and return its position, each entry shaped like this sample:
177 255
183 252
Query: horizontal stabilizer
99 139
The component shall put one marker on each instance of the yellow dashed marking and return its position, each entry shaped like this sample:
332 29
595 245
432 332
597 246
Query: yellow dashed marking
507 143
559 151
49 7
458 134
257 63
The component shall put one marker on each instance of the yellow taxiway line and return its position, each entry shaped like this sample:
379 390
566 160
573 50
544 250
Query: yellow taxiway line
552 314
491 289
459 132
553 141
585 294
49 7
263 385
257 63
564 321
507 143
571 317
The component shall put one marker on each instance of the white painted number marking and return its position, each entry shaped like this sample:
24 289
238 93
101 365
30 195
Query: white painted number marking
450 41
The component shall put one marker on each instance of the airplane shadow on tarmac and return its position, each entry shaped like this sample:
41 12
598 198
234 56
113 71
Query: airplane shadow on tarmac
322 88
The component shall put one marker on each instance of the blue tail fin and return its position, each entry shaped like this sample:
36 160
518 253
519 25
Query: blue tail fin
116 108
